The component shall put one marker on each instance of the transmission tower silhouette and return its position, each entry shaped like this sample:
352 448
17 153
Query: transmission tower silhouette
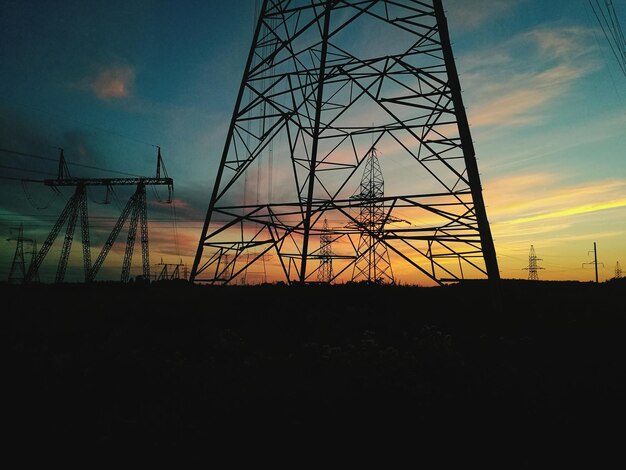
317 76
18 270
170 271
325 271
618 271
372 256
532 265
76 210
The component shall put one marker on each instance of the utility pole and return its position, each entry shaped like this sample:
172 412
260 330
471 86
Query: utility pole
595 260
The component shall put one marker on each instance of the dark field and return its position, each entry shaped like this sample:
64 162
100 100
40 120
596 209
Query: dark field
170 364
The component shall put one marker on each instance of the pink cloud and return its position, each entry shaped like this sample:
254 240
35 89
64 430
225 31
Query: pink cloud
113 82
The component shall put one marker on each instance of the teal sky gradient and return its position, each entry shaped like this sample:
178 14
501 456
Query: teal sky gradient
110 81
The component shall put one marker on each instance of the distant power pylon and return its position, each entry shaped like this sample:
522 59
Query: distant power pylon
170 271
316 78
325 271
618 271
76 206
532 265
18 269
372 256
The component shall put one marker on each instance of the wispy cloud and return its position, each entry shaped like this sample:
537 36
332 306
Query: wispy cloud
574 210
467 15
567 42
524 75
551 204
510 109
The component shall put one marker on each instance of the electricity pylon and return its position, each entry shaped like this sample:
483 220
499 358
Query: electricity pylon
618 271
325 272
18 268
532 265
317 76
169 271
372 262
136 208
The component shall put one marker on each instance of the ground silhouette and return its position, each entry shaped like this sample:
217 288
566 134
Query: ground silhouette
169 363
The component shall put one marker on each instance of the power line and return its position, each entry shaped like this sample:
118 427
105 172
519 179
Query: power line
612 31
14 152
81 123
12 178
8 167
27 154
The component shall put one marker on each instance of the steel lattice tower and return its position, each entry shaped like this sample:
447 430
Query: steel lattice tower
18 270
532 265
318 74
76 210
18 267
372 256
325 272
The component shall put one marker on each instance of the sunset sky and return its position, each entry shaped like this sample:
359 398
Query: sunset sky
108 82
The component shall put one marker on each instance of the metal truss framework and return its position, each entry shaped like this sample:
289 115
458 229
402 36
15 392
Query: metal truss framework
325 271
17 273
372 263
170 271
326 82
533 267
136 207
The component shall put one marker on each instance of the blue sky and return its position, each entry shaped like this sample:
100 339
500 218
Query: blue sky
110 81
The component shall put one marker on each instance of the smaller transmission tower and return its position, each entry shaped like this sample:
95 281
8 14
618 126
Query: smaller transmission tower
372 258
325 272
169 271
618 271
18 269
532 265
76 211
